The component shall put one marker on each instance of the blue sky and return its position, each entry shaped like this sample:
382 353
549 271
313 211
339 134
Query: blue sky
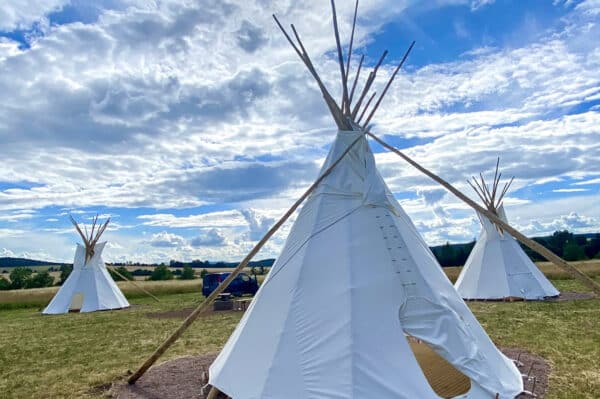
194 126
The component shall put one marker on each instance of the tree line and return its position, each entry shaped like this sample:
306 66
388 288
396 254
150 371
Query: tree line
565 244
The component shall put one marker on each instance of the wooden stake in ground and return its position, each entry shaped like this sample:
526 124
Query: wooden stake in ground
540 249
194 315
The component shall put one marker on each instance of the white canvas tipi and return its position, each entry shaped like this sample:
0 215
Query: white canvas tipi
497 267
89 287
353 280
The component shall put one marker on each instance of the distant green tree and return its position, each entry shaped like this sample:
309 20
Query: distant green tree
557 241
19 277
65 271
447 256
572 251
40 280
4 284
187 273
123 270
203 273
261 270
161 273
592 247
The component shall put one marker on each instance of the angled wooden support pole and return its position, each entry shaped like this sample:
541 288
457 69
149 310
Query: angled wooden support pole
535 246
204 305
139 287
212 394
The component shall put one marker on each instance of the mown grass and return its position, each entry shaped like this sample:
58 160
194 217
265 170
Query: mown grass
567 334
69 355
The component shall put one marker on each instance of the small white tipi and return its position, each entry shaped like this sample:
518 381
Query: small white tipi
354 279
89 287
498 268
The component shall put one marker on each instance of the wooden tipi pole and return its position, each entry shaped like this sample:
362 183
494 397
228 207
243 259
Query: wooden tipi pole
535 246
204 305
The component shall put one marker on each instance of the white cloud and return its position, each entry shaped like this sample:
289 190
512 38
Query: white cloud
570 190
167 240
4 252
213 219
129 112
258 224
589 7
17 14
210 238
588 182
571 222
476 4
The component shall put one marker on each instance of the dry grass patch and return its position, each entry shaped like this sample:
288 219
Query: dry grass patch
40 297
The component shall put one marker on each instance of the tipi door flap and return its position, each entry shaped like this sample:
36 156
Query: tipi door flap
523 282
76 301
446 333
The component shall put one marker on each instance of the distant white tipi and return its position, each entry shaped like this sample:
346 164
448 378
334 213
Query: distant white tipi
89 287
353 280
497 267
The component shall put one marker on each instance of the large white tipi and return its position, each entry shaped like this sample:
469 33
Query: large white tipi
89 287
498 268
353 281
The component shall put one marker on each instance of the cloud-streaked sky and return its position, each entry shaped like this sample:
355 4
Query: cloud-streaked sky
194 125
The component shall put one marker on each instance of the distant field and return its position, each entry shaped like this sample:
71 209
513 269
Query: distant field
39 297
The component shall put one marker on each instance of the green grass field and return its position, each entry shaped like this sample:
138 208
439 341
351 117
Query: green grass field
70 355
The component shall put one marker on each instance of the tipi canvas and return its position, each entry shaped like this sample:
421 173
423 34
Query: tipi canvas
89 287
353 280
497 267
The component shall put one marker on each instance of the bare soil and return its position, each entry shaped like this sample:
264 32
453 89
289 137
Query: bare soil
563 297
176 379
184 378
534 366
573 296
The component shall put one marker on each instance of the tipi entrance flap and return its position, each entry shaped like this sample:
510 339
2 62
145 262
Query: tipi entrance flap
76 301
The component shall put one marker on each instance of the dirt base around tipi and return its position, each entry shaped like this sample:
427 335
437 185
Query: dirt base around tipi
184 377
176 379
563 297
573 296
